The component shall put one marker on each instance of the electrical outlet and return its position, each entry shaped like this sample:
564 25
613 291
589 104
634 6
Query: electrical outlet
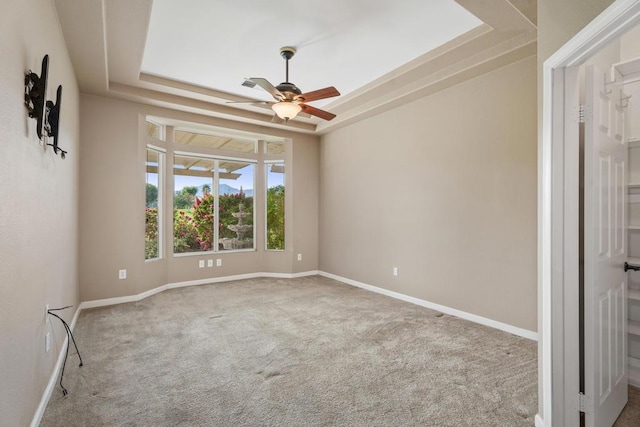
201 263
209 263
218 262
47 342
395 271
299 257
122 274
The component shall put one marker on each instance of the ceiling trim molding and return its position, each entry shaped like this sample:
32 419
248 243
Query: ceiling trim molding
144 96
436 84
507 34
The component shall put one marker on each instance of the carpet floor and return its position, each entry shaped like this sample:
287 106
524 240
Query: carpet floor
291 352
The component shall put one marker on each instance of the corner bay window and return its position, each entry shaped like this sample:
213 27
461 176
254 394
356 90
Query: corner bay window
212 206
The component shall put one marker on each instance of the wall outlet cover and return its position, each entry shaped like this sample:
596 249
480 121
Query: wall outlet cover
47 342
299 257
209 263
201 263
122 274
219 262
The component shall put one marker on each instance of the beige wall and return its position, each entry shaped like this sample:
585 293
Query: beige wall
38 210
559 21
112 207
444 188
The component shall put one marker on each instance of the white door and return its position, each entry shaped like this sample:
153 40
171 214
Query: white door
605 247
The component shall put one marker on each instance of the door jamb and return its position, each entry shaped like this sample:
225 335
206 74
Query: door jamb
558 232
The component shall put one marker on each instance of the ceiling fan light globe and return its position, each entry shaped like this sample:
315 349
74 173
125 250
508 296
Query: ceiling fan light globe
286 110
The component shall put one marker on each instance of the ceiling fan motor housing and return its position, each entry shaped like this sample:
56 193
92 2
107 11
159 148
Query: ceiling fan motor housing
289 90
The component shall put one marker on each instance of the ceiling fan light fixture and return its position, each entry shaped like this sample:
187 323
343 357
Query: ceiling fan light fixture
286 110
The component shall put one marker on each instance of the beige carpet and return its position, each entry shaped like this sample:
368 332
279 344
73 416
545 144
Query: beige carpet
630 416
299 352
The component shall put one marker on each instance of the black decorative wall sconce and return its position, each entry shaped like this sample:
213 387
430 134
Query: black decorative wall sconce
46 113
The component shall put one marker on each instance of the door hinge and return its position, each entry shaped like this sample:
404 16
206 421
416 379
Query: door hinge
584 403
581 113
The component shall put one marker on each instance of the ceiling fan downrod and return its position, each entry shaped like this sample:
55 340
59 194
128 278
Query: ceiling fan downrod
287 53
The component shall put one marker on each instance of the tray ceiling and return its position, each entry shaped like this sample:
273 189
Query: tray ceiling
192 55
345 44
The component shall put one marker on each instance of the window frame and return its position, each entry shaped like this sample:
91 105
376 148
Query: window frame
266 163
216 158
161 129
160 204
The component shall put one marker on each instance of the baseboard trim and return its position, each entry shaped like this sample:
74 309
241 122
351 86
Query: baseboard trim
525 333
48 391
539 421
146 294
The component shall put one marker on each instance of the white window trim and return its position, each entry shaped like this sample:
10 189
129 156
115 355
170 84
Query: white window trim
161 184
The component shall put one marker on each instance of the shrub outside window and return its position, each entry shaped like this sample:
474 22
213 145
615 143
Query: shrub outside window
275 206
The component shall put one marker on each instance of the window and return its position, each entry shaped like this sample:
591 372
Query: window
235 229
275 147
193 139
213 204
153 204
275 206
154 130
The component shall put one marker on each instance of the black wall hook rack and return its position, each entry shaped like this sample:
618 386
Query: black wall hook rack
46 113
52 119
35 91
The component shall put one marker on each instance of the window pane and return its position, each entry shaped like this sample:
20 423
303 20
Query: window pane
275 147
275 206
193 204
235 205
153 130
223 143
152 205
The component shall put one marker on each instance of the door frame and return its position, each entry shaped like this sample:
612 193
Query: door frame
558 214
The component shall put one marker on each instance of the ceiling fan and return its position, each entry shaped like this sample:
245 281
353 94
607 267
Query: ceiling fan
289 99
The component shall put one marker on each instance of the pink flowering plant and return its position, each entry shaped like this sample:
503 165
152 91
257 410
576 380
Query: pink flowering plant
185 235
203 217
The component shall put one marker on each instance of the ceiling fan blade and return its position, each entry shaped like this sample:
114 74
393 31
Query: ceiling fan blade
264 84
317 112
250 102
327 92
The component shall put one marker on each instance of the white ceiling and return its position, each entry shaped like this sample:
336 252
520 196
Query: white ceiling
190 57
346 44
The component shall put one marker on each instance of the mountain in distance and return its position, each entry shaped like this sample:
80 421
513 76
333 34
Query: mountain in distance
227 189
